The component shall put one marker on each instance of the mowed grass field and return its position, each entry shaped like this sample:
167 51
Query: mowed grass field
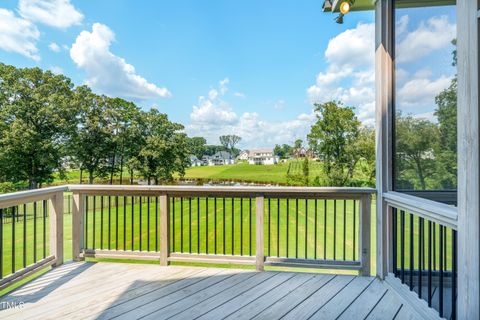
275 174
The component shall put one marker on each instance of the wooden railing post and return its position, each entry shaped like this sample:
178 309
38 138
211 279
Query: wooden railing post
55 211
365 232
164 230
77 226
259 239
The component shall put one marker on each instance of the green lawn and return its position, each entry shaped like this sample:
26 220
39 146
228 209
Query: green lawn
241 172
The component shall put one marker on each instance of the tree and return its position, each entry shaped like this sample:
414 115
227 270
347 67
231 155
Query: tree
92 142
332 138
196 145
37 119
298 144
123 118
365 149
229 142
164 149
415 151
282 151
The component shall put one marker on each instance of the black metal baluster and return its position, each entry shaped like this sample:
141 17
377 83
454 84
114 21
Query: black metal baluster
344 228
402 245
132 218
440 265
44 229
140 225
13 239
315 228
173 224
429 263
24 235
148 223
269 235
224 226
116 223
156 223
434 247
278 227
334 229
250 227
190 225
296 228
181 224
94 221
198 225
412 255
86 221
355 229
325 229
101 222
124 223
35 232
233 227
454 274
206 225
241 226
288 223
420 253
215 225
395 242
109 221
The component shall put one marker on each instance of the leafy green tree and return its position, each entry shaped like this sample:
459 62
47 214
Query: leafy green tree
37 119
123 118
365 149
416 140
196 145
229 142
92 142
298 144
332 138
282 151
164 150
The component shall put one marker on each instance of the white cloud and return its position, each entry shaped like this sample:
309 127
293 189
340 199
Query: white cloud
240 95
212 117
18 35
420 92
54 47
108 73
350 75
56 69
55 13
433 34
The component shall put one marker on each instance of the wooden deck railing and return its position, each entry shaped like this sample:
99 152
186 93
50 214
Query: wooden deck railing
424 250
284 226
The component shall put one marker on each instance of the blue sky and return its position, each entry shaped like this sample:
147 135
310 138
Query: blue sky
247 67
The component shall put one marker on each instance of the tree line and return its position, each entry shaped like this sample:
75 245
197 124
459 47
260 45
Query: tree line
47 124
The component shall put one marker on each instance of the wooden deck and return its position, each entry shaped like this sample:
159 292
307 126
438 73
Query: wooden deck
87 290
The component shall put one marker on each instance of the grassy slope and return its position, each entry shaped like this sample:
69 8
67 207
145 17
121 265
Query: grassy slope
254 173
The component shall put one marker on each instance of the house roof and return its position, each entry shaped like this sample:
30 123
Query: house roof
223 155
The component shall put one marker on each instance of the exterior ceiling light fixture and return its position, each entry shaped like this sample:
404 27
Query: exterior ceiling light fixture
345 7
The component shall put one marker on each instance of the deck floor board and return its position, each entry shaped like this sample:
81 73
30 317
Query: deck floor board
88 290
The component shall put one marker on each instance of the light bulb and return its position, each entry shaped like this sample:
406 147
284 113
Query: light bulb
345 7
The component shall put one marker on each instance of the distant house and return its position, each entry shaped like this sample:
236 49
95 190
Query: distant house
303 153
243 155
218 159
262 156
195 162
